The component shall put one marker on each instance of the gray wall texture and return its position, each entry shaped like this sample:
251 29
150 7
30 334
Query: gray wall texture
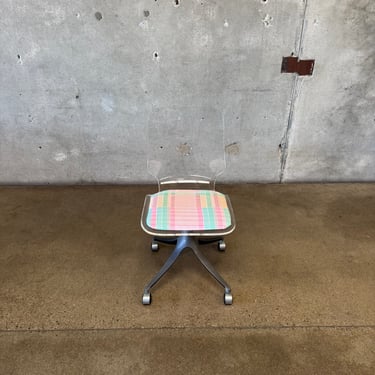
78 80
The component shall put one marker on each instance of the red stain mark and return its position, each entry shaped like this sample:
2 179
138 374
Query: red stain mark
292 64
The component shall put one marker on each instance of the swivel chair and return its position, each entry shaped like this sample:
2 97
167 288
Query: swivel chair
187 211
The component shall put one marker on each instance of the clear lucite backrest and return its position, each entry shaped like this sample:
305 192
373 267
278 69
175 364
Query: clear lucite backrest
186 145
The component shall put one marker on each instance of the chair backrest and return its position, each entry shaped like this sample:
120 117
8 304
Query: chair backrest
186 146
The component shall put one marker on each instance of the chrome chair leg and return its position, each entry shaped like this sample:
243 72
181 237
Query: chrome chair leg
209 267
228 298
180 247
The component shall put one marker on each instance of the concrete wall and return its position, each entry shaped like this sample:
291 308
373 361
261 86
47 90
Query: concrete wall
333 129
78 80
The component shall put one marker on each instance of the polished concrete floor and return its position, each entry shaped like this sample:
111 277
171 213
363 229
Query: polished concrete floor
74 261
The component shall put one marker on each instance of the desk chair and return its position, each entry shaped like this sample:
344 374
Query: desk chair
187 211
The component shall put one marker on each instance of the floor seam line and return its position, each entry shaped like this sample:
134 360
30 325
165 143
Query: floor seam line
250 328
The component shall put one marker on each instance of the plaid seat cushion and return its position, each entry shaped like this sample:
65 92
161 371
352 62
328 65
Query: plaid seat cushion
188 210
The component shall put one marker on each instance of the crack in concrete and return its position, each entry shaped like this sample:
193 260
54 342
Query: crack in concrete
284 143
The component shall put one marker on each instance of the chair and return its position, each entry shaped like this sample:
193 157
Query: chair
186 211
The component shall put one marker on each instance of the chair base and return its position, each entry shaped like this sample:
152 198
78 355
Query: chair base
182 243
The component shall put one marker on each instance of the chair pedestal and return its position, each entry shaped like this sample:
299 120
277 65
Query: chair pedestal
183 243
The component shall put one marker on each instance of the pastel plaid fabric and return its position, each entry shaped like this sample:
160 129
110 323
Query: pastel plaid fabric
188 210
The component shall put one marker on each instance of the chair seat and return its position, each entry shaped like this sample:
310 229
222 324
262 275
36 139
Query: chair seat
188 210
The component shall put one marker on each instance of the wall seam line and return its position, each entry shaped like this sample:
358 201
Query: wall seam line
284 143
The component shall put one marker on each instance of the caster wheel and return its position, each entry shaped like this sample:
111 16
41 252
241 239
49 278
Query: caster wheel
228 299
221 245
146 299
154 246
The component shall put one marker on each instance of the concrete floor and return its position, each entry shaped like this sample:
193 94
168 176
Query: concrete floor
74 261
